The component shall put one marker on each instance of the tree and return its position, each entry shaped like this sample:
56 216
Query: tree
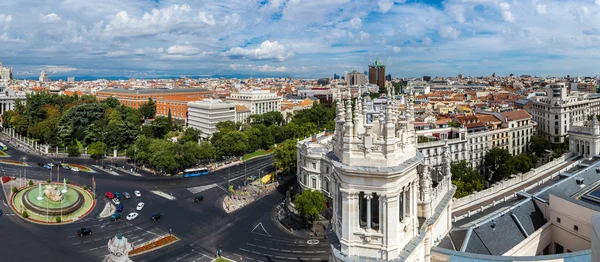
73 150
538 145
25 214
58 220
97 150
207 151
285 156
466 179
310 204
161 126
522 163
14 189
234 143
499 163
170 118
112 102
30 183
148 110
190 135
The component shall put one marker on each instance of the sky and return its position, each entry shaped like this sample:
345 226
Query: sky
300 38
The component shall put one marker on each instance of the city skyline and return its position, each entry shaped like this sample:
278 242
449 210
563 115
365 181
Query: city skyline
310 39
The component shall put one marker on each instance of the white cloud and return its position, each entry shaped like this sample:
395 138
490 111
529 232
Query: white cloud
266 51
356 22
262 68
206 18
449 32
119 53
51 17
185 50
385 5
59 69
396 49
157 21
5 19
541 8
506 13
426 41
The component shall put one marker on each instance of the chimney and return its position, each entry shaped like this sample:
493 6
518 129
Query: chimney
314 138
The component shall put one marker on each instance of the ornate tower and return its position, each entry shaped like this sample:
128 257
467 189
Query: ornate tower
375 172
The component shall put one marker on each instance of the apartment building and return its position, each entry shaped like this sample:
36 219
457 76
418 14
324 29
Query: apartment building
258 101
241 114
206 114
557 111
477 134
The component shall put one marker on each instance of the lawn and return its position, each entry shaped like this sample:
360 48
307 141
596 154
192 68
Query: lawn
260 152
222 260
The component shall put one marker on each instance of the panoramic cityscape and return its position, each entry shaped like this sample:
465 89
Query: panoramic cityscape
300 131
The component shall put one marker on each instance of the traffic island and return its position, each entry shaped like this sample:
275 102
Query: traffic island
52 203
81 168
13 162
153 245
4 154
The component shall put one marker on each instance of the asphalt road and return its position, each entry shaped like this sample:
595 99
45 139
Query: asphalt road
249 233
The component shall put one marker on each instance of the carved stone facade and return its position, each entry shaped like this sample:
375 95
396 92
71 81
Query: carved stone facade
584 139
380 187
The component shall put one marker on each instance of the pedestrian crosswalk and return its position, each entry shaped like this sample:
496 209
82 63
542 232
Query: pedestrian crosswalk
198 189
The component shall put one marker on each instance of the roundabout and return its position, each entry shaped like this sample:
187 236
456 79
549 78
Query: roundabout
52 203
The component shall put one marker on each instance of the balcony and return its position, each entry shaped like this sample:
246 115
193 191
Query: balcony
440 142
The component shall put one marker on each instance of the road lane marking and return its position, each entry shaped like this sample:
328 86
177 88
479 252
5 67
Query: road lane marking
259 231
198 189
244 249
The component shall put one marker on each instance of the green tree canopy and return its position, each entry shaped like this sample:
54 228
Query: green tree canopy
499 163
148 110
466 179
310 204
522 163
285 156
97 150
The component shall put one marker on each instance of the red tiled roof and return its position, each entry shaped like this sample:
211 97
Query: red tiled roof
516 115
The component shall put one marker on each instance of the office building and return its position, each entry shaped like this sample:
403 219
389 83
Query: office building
136 97
43 77
377 75
258 101
5 73
558 110
8 97
356 78
206 114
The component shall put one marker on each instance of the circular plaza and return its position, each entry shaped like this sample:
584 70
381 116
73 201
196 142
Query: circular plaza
52 203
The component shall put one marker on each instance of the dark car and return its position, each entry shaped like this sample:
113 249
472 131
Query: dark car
117 195
84 231
156 216
198 198
120 208
116 216
40 164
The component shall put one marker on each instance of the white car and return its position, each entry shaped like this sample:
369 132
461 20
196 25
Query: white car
140 206
116 201
132 216
137 193
75 169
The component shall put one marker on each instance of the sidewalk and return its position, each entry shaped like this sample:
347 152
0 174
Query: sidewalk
246 195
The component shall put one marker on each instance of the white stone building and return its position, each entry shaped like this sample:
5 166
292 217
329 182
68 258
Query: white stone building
258 101
205 115
558 110
8 97
584 139
379 185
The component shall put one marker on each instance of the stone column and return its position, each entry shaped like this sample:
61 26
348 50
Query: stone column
368 198
403 197
115 153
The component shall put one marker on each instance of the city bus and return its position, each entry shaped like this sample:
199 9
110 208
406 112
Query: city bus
192 172
3 147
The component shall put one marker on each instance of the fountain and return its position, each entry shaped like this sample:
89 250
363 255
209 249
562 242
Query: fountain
64 191
40 196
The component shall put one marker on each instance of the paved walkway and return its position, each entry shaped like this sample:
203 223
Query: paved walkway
246 195
511 192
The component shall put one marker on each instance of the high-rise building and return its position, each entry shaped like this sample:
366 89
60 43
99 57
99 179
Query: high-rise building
388 77
43 76
5 72
377 75
71 79
356 78
336 77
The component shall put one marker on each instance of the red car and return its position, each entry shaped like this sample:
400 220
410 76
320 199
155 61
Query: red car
110 195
